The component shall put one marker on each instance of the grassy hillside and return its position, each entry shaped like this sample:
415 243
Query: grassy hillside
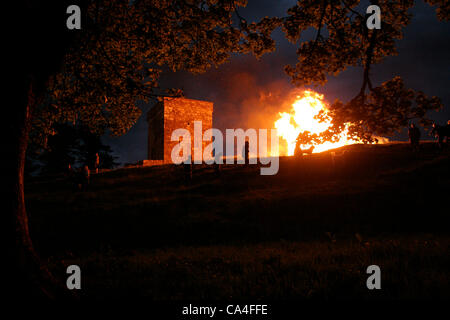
309 231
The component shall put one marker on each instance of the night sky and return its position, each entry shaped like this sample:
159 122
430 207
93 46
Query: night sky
249 93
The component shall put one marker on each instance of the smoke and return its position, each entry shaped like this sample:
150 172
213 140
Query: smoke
246 93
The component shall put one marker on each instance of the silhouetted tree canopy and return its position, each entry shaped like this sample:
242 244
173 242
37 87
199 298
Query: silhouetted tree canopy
74 145
124 46
343 40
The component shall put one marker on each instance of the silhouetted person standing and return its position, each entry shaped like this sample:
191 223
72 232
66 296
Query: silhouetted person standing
440 132
217 165
447 130
246 152
86 177
216 156
97 162
188 170
297 151
69 171
71 175
414 136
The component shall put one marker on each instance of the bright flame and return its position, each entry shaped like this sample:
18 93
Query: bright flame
302 118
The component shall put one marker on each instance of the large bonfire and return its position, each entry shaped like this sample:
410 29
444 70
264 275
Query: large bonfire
303 117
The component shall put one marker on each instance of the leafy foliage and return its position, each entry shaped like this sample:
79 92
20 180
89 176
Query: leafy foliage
386 109
343 40
73 145
123 48
442 8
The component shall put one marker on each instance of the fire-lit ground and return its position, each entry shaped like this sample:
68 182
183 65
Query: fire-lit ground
308 232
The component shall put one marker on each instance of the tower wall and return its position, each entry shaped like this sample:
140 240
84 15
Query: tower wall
171 114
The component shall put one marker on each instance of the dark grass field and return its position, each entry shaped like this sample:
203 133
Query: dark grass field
308 232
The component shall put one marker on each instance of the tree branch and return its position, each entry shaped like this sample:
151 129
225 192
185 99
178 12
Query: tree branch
367 64
322 15
351 10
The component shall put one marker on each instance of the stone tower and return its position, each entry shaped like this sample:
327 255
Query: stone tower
168 115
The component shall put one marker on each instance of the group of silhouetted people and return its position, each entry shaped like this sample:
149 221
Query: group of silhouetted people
439 132
217 166
414 136
81 177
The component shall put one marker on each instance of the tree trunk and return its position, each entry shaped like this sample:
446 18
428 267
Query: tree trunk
28 277
39 39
